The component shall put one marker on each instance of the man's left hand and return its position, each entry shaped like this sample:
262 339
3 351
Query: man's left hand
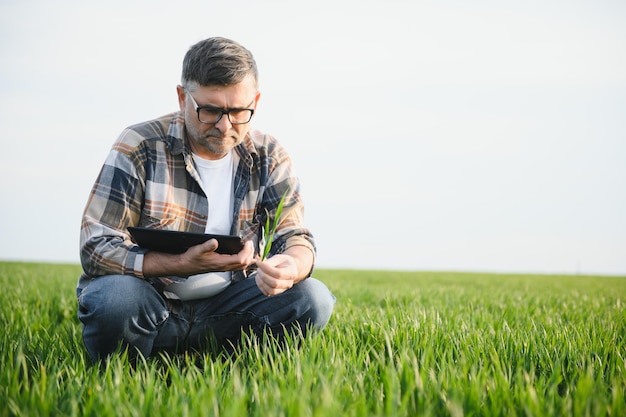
276 274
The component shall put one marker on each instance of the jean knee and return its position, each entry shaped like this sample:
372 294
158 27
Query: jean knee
321 302
116 298
120 310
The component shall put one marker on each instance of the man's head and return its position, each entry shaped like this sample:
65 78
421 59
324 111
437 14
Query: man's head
217 61
218 96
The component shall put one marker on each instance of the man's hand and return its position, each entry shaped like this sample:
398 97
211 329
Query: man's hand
205 257
196 260
280 272
276 274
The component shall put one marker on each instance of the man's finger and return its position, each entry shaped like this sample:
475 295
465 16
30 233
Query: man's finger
210 245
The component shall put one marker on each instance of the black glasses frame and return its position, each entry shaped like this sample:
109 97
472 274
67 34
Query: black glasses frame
219 110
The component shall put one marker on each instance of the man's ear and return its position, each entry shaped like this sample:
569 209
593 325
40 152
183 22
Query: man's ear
256 99
182 97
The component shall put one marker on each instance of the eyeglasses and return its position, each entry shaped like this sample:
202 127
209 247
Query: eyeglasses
211 115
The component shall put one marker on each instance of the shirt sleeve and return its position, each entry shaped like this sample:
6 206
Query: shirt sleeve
114 203
290 230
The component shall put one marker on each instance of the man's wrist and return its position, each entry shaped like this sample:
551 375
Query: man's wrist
156 264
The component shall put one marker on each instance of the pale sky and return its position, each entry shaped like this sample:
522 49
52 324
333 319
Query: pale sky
428 135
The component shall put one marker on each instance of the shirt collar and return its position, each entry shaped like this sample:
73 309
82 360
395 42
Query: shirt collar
176 137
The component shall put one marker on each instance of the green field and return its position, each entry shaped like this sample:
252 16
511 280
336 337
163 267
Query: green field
399 344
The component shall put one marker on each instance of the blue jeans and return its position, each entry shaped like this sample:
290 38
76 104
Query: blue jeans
119 310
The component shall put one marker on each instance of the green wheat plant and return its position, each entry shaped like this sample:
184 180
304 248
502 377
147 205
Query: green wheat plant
270 229
398 344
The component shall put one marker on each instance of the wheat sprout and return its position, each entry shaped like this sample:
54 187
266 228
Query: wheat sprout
269 232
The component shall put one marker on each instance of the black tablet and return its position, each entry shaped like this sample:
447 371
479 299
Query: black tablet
171 241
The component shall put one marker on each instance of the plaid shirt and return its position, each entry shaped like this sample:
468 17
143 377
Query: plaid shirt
149 180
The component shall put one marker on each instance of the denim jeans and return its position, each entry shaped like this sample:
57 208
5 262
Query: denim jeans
119 310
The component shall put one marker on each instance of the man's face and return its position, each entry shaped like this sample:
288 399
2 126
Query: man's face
214 141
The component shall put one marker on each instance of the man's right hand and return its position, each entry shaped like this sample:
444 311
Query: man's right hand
197 260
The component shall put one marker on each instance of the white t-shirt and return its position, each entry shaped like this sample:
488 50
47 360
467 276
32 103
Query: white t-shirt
217 184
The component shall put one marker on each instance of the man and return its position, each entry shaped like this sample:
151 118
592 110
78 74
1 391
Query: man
202 169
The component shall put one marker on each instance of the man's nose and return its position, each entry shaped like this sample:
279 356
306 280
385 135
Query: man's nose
224 124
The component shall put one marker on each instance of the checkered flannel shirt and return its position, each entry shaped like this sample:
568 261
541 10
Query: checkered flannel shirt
149 180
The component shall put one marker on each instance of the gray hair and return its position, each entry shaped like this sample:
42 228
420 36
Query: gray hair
217 61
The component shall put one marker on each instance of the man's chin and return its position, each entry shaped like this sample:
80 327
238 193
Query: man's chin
216 151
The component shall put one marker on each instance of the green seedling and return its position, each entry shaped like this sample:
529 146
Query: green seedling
269 232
